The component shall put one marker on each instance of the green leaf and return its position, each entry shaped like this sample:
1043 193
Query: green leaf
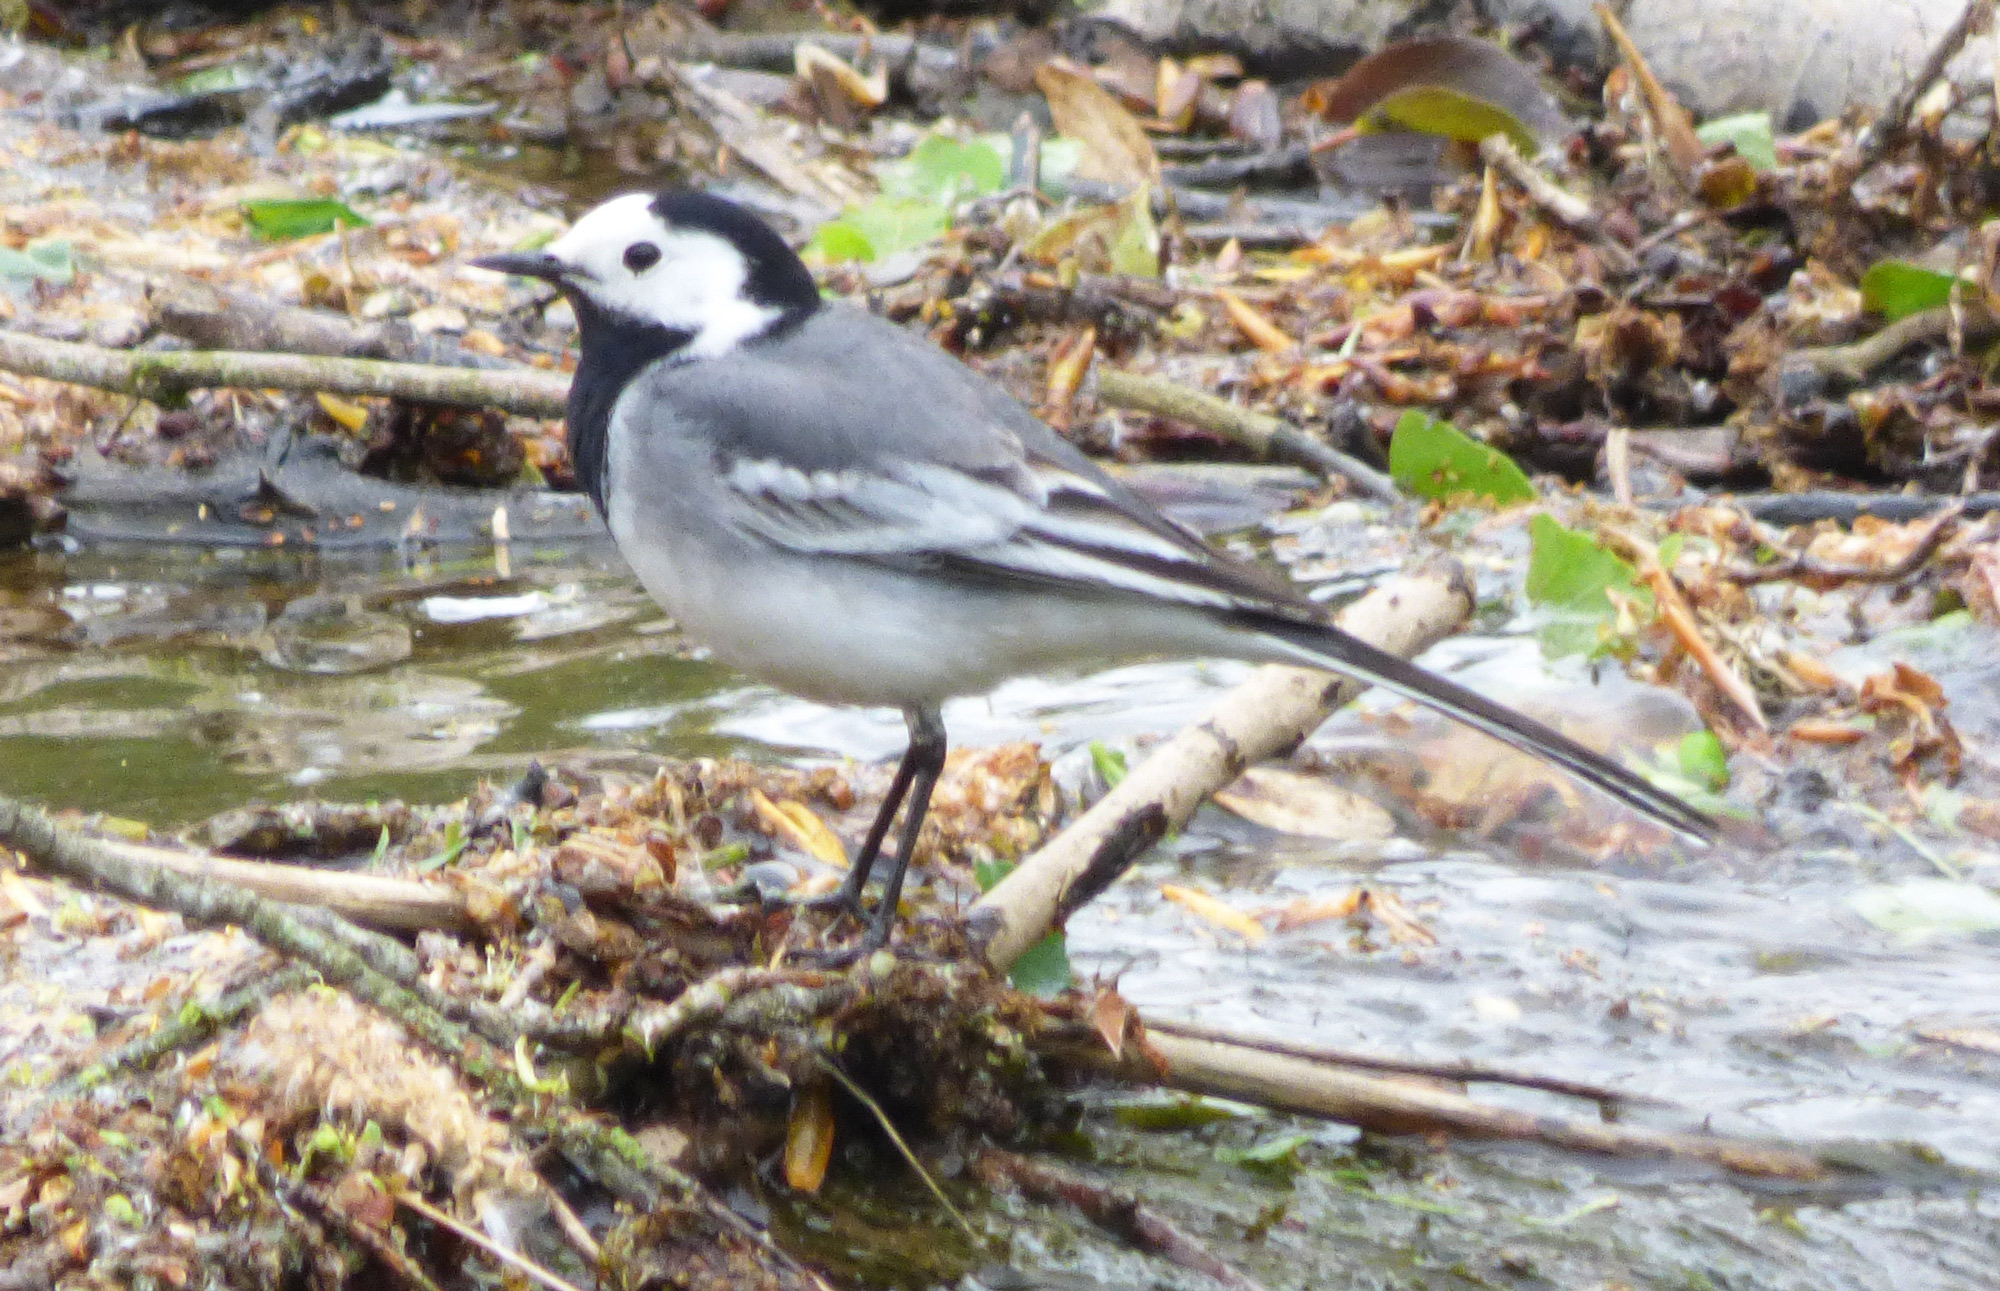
946 171
1432 458
455 841
838 242
1043 969
893 225
1135 245
1919 909
1567 575
1750 132
1896 289
215 80
45 259
1179 1112
1703 760
1110 763
1277 1156
1450 114
280 219
1566 570
987 871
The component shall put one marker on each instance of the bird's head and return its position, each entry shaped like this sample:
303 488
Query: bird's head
698 267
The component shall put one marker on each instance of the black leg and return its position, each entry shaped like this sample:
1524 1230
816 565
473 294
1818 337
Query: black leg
849 895
924 762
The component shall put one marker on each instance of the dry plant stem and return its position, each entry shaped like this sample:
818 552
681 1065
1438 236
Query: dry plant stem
165 376
372 900
1398 1107
1265 436
1669 117
902 1145
187 1028
1563 206
1857 361
1803 566
1888 129
518 1263
1265 717
1461 1070
1114 1210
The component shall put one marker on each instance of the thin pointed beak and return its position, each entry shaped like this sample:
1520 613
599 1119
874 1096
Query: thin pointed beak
525 264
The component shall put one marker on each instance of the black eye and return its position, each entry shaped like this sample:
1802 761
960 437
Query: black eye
641 256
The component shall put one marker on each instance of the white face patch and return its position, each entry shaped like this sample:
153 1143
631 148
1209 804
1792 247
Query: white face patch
695 284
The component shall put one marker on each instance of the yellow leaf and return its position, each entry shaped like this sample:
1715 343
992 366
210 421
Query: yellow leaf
345 411
1211 910
1257 329
809 1138
797 825
1434 109
1305 805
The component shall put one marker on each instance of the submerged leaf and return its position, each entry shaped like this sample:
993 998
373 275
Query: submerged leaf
1043 969
1432 458
1918 909
1309 806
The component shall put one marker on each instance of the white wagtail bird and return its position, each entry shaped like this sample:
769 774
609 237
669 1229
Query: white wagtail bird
837 507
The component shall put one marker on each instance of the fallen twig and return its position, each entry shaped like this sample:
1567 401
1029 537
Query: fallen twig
1462 1069
466 1233
1296 1084
1112 1209
1565 207
1856 361
1265 717
1804 508
1265 435
165 375
1805 566
1888 129
372 900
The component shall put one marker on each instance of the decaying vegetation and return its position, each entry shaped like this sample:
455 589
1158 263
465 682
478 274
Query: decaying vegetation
548 1029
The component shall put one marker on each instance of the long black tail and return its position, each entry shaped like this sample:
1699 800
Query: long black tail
1324 646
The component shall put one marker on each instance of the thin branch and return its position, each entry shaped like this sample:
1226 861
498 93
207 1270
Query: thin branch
1264 435
1288 1083
889 1128
1806 566
373 900
1888 129
474 1237
1856 361
1463 1069
188 1028
165 375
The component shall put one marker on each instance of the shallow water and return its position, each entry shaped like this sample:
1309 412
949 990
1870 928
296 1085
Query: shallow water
1742 988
